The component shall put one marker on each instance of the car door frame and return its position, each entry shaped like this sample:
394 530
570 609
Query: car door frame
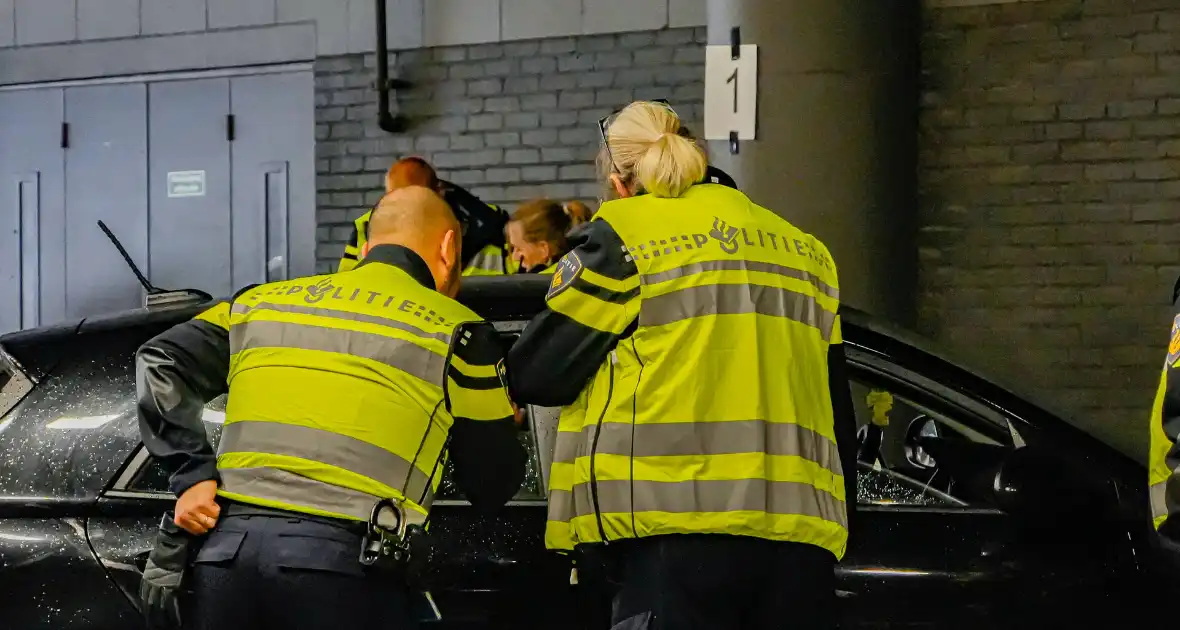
970 566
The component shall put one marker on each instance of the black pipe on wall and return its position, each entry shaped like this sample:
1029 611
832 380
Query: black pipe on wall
386 119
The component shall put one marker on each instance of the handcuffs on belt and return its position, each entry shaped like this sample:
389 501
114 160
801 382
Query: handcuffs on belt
405 548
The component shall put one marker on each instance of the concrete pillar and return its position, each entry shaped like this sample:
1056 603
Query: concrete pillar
836 152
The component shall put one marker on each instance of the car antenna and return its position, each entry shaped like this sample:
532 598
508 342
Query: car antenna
147 286
155 297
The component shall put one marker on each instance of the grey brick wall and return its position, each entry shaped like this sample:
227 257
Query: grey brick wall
509 121
1050 196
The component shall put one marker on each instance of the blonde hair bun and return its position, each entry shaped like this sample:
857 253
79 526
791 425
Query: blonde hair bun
645 141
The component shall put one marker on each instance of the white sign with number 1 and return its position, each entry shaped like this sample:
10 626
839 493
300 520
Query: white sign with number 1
731 92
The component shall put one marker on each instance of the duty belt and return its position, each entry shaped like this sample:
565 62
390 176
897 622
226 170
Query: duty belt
404 547
235 508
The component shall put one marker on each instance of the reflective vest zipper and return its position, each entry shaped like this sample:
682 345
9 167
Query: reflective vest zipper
610 390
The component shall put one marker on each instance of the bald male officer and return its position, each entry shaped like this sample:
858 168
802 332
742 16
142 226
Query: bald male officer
341 394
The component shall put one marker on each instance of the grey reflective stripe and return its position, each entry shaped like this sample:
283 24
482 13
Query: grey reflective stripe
1159 499
487 260
742 265
325 447
397 353
701 438
242 309
685 497
733 299
290 489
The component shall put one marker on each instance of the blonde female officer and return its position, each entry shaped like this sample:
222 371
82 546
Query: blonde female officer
693 340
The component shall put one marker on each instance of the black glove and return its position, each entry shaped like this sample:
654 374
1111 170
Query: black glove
163 575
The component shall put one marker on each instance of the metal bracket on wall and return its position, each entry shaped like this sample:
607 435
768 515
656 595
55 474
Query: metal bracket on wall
735 48
386 120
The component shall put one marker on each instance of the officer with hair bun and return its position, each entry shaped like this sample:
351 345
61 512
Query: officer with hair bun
705 458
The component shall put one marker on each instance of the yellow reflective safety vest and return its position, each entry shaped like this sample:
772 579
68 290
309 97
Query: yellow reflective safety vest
492 260
1164 426
336 392
715 415
1158 472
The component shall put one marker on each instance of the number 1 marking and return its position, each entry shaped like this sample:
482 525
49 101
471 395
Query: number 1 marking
733 78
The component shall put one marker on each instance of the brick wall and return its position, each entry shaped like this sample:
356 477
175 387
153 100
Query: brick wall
1049 171
510 121
1050 196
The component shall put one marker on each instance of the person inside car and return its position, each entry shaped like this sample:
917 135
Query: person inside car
538 232
707 430
483 224
343 396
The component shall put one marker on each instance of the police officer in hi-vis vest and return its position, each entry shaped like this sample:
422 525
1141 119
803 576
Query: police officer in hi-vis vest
484 249
344 390
1164 454
705 458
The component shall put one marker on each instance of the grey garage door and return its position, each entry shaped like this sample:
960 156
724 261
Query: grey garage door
207 182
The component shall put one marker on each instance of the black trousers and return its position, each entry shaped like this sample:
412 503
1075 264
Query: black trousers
290 573
691 582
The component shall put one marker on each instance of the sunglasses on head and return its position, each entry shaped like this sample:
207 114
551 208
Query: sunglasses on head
605 121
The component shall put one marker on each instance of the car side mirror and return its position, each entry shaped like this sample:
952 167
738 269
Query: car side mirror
920 429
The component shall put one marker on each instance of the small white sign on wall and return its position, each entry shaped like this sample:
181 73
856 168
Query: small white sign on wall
731 92
186 184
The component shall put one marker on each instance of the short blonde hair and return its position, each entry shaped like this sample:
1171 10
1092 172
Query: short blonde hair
646 146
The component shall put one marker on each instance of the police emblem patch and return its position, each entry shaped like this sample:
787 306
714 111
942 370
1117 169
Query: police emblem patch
568 270
502 372
1174 343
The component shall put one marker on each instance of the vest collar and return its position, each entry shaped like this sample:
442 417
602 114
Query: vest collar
403 258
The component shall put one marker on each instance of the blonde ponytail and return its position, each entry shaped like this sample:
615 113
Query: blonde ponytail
670 166
647 145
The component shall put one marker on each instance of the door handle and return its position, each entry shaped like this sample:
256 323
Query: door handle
842 594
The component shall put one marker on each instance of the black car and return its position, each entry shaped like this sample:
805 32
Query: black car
976 508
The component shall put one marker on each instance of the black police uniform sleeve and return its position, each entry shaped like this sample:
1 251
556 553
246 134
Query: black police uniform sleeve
592 303
176 373
488 457
352 252
844 415
459 196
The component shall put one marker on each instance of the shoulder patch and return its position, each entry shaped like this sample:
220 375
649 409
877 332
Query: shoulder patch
1174 342
567 270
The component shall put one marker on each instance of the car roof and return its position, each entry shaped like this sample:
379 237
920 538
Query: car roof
496 298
